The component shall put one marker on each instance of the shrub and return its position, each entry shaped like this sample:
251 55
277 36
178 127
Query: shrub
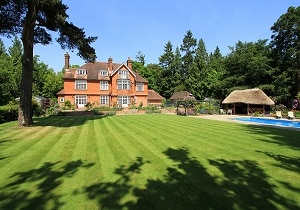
37 109
8 113
68 105
279 107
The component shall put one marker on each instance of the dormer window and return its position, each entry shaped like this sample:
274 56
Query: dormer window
81 71
103 73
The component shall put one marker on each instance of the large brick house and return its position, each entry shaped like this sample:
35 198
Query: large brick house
103 84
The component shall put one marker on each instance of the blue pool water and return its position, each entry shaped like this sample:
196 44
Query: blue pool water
266 121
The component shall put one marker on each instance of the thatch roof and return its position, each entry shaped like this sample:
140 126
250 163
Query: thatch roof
249 96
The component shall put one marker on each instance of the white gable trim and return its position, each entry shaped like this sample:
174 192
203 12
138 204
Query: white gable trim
123 64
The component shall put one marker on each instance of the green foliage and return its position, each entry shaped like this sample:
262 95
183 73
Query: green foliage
8 113
207 108
33 21
279 107
68 105
54 108
286 54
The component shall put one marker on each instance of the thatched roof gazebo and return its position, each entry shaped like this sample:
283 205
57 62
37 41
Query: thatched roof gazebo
248 102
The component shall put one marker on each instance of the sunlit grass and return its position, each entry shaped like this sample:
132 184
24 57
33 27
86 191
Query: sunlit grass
147 162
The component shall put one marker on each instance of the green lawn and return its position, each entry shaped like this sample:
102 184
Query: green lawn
148 162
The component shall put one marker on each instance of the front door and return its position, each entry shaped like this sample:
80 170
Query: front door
80 101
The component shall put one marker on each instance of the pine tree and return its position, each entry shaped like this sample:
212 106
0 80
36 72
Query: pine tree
32 21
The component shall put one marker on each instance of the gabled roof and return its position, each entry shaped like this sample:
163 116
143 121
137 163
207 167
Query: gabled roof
153 95
123 65
249 96
93 70
181 95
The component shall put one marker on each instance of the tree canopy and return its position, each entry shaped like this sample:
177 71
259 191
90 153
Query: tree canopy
32 21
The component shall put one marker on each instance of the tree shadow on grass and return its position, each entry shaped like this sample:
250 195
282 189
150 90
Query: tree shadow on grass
188 185
285 162
3 142
280 135
41 183
64 121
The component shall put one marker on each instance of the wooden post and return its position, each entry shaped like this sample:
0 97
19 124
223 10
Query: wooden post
248 109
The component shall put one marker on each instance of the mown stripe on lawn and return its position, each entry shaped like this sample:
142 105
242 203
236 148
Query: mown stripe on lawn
29 147
108 150
139 146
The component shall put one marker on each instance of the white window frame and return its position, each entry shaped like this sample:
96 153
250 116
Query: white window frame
103 73
103 85
139 86
81 71
104 100
123 84
62 100
123 74
80 100
80 84
123 100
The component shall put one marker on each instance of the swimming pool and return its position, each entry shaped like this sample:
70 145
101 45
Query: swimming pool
266 121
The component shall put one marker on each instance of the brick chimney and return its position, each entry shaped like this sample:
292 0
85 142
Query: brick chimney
67 61
129 63
110 68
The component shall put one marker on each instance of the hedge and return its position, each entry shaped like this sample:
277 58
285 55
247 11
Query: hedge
8 113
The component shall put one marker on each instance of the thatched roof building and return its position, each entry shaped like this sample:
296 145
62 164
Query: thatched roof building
248 101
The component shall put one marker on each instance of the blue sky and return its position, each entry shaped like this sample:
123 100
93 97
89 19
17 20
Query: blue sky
126 27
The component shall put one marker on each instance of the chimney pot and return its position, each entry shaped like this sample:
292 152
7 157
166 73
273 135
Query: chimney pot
67 61
129 63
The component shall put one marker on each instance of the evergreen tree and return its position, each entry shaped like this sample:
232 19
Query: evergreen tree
4 75
15 67
187 47
217 70
32 20
165 62
197 78
176 67
285 46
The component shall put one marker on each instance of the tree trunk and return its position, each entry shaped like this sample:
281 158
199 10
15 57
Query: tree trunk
25 107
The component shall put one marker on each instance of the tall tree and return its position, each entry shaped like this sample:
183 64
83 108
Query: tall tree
141 58
248 66
33 20
53 82
197 78
176 69
4 75
15 67
217 70
165 61
285 45
187 48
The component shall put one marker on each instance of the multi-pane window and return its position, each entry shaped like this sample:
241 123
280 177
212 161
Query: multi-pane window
81 71
123 84
139 87
104 100
103 73
80 84
103 85
80 100
123 74
123 100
